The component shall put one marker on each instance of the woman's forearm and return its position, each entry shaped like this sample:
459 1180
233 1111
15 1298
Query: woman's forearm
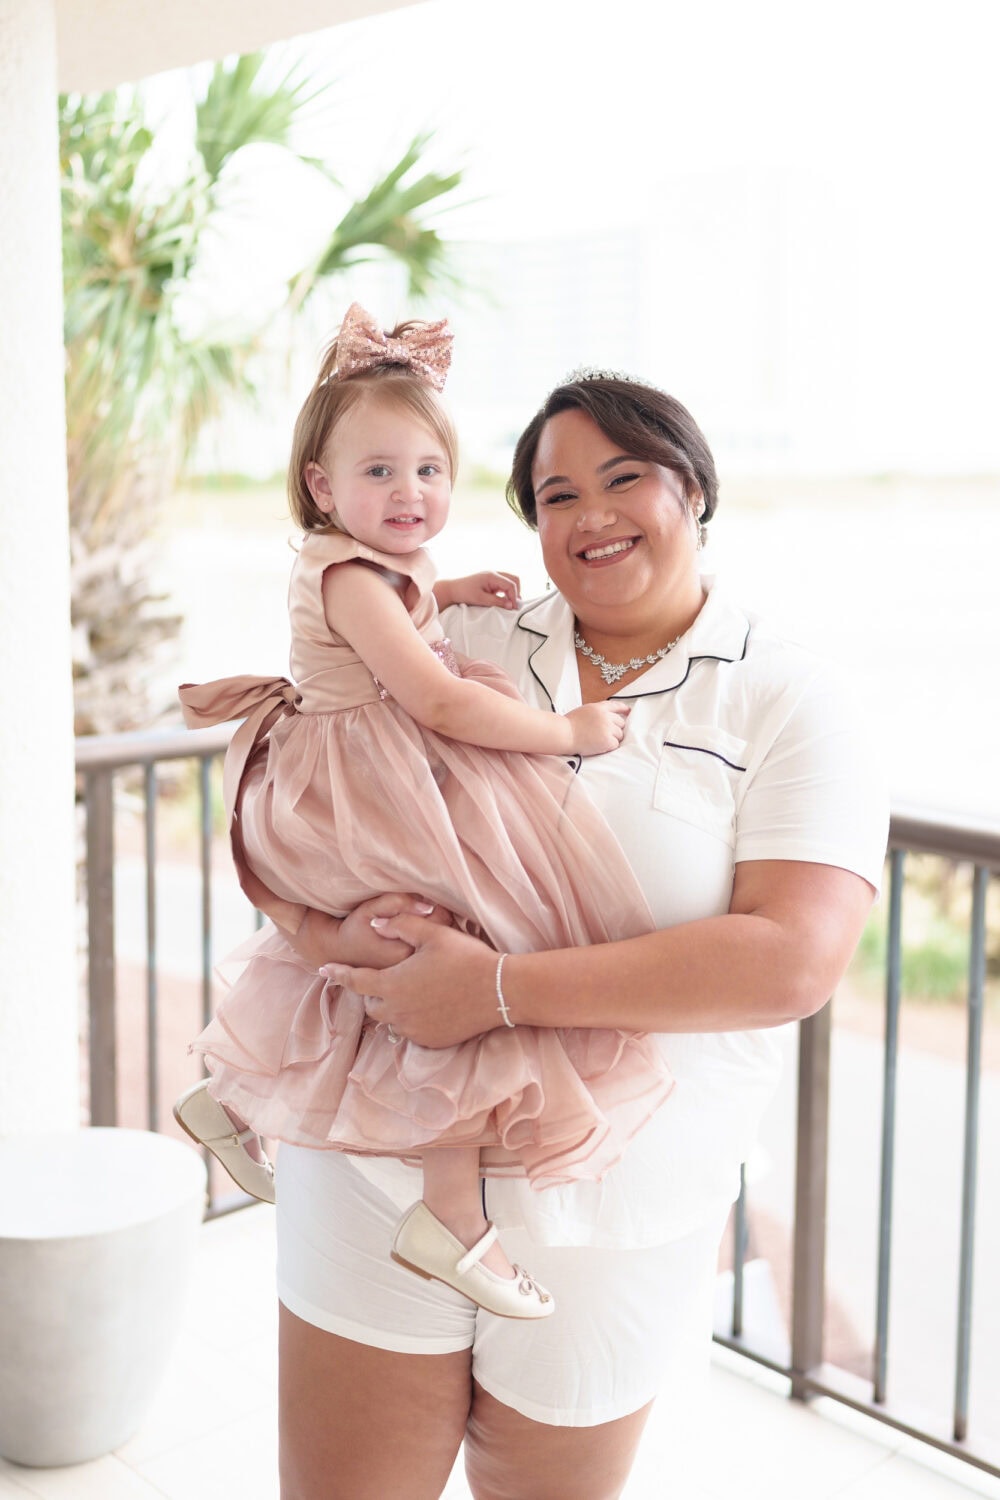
776 956
718 974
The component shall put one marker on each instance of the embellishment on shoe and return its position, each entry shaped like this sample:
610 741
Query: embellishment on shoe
528 1286
426 1246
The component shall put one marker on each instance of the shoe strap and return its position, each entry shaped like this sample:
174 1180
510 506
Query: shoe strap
231 1138
479 1249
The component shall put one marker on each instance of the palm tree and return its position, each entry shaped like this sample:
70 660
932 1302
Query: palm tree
139 386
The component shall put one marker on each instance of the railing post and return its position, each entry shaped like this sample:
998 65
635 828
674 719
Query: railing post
739 1252
99 792
977 982
809 1243
205 790
893 995
152 957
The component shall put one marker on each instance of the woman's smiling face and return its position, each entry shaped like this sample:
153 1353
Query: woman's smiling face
618 533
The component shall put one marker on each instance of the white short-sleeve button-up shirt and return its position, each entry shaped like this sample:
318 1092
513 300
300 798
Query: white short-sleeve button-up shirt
740 746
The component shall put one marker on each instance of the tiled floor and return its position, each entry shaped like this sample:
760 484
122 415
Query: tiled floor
211 1433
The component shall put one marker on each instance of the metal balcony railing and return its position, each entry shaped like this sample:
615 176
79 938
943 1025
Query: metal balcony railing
101 760
810 1375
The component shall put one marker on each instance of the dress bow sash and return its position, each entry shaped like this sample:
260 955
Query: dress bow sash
206 703
256 700
259 702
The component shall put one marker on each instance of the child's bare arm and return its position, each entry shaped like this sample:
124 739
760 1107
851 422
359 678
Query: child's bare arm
501 589
362 607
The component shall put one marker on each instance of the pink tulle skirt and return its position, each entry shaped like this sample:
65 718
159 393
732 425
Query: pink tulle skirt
338 807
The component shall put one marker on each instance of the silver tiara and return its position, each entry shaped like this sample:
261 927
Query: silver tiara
583 373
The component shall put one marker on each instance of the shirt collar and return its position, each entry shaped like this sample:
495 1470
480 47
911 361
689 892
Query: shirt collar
719 631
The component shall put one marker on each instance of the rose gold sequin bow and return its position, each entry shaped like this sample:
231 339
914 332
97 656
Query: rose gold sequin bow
361 345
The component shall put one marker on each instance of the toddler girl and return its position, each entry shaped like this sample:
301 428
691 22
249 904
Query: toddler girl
391 765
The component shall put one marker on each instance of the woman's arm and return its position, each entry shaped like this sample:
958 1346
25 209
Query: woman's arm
776 956
355 939
362 608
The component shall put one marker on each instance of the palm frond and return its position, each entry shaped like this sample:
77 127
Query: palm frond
139 384
240 109
386 220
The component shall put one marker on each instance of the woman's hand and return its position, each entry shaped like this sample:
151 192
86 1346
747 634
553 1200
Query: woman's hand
323 939
443 994
502 589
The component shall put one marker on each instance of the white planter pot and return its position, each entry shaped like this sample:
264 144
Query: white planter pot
98 1231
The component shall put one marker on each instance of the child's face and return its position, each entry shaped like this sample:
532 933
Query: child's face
386 476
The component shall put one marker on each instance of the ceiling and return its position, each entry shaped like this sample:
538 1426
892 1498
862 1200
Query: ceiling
102 43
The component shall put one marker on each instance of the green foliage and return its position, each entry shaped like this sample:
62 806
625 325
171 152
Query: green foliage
241 109
933 967
388 218
139 384
937 909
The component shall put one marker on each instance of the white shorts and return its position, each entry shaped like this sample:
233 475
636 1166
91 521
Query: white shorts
627 1325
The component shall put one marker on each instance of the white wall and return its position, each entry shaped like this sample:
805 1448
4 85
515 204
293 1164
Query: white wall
38 993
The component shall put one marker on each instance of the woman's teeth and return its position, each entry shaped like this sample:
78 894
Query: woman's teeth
609 551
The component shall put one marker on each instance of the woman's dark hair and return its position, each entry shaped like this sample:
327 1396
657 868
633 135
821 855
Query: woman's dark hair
644 422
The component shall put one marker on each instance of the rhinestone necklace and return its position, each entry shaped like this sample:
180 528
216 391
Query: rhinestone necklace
612 671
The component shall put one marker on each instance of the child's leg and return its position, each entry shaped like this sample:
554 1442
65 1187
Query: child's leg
433 1236
453 1195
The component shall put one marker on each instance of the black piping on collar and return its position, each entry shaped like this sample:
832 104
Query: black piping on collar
623 697
701 656
542 638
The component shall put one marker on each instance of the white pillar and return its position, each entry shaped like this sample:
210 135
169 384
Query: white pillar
39 1066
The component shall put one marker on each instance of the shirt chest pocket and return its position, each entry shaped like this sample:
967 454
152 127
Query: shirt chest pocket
698 778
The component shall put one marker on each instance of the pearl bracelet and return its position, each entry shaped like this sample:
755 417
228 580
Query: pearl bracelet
501 1002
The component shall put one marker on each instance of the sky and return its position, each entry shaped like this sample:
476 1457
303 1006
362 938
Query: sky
784 213
819 179
574 113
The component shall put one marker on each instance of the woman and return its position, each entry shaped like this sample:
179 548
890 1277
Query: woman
744 798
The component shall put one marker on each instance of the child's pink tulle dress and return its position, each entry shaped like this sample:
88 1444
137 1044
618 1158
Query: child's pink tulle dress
340 795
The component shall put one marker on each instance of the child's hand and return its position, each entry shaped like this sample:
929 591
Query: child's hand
500 589
598 727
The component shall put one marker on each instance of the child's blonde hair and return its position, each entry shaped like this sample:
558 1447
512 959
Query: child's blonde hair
330 400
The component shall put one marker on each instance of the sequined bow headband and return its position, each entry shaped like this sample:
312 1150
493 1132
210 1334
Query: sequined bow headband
425 348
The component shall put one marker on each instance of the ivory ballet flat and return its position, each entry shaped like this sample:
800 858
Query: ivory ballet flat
424 1245
206 1122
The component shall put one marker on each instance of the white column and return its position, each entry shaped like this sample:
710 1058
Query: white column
39 1067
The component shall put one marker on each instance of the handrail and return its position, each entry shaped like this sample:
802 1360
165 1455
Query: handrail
951 835
142 747
954 835
959 837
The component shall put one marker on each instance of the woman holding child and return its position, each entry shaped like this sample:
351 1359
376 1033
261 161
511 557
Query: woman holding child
744 799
